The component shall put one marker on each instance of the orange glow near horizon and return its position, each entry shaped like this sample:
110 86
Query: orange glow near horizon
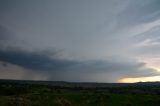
153 63
140 79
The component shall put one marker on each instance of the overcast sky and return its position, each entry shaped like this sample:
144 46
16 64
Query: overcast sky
80 40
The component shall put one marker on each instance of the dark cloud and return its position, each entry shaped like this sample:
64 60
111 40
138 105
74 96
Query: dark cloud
33 60
39 61
88 32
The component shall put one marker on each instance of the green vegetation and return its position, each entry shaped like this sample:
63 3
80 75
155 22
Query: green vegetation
29 94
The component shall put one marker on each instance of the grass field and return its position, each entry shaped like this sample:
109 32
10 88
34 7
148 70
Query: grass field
16 94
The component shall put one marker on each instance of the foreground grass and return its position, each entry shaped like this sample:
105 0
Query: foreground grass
80 99
28 94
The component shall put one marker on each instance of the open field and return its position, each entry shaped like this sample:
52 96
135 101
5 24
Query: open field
39 93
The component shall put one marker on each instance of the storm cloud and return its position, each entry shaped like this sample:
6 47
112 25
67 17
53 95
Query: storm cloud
51 65
74 40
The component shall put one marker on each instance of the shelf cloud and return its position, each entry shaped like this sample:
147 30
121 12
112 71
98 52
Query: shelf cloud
99 41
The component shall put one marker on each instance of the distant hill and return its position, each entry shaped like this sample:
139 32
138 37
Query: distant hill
80 84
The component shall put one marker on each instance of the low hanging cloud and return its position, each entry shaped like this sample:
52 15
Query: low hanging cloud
41 62
33 60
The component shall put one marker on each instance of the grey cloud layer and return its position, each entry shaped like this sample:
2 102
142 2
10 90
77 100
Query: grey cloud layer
140 12
88 33
4 33
42 62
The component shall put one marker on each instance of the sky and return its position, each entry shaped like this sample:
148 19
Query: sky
80 40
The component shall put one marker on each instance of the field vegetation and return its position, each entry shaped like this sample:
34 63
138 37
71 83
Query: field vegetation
28 93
